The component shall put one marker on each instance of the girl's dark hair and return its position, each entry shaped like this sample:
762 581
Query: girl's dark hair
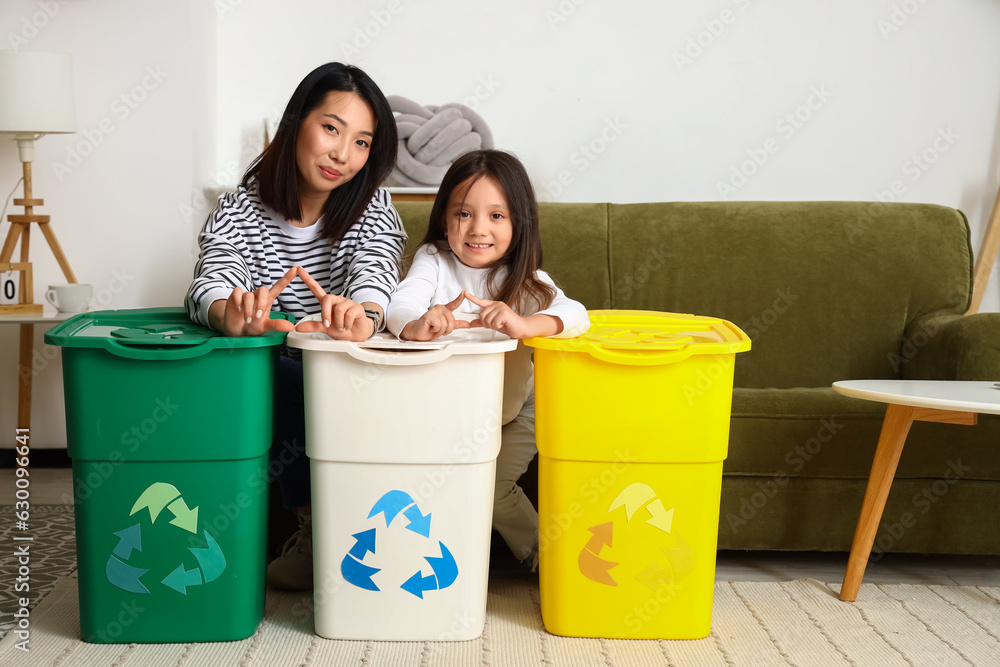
276 171
519 287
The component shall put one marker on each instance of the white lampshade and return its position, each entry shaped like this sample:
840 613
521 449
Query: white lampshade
36 92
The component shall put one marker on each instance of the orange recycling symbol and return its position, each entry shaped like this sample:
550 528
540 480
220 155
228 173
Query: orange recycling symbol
633 498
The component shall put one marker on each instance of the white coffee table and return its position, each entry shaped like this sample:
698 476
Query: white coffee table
909 401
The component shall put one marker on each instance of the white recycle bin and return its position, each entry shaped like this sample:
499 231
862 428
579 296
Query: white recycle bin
402 439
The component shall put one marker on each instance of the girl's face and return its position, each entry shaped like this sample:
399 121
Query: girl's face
334 143
479 226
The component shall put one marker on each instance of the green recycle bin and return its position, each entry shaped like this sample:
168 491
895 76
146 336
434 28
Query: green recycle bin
168 425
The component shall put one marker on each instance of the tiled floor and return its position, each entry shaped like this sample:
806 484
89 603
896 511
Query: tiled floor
53 486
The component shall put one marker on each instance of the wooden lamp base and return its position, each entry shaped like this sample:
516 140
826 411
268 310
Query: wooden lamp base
20 228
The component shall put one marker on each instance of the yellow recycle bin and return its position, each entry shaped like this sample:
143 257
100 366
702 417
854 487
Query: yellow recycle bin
632 426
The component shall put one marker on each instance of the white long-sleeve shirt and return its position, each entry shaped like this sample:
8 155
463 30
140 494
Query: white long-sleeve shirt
438 277
247 244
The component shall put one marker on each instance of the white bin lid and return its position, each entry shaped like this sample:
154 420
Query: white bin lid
386 349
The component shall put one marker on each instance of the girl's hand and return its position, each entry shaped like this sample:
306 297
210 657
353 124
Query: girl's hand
436 322
248 313
498 316
343 319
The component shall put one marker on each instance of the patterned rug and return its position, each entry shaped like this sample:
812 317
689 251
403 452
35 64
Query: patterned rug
52 554
790 623
798 622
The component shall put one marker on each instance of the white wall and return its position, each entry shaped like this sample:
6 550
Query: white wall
595 97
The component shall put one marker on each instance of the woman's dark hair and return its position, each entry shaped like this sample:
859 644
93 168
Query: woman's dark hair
276 172
519 287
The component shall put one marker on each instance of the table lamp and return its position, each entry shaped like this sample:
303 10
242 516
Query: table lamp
36 98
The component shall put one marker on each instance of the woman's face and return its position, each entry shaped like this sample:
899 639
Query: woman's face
478 223
334 143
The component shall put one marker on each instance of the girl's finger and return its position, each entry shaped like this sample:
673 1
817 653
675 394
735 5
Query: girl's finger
456 302
476 300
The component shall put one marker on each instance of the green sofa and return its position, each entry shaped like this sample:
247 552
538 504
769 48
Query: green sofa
827 291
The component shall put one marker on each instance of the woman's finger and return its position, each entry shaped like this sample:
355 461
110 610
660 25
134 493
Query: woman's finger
284 282
311 283
232 321
326 310
247 307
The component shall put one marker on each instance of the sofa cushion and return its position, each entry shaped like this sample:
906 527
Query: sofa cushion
803 433
824 289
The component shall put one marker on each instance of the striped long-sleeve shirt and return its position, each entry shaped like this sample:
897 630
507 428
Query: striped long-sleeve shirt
245 243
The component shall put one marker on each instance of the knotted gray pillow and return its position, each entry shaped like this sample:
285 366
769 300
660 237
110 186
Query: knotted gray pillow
430 138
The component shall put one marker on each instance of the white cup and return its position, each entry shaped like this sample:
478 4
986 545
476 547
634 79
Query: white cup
71 298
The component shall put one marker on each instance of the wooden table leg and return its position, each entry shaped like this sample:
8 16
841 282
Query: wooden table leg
895 428
24 371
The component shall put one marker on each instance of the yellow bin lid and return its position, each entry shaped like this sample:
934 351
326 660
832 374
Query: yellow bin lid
649 338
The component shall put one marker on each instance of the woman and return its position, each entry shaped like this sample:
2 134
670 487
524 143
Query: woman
309 206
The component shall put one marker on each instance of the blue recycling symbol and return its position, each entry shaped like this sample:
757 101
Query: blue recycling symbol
444 569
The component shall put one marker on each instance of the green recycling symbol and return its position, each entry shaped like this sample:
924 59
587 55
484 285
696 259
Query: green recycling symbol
156 497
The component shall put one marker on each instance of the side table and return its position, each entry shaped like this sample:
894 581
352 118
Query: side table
909 401
24 369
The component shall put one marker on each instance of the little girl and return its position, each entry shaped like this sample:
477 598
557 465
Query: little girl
483 250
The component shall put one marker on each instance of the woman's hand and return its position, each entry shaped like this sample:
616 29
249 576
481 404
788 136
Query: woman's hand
436 322
498 316
249 313
343 319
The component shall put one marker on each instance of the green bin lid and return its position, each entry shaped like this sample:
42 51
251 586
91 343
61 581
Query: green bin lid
152 333
645 337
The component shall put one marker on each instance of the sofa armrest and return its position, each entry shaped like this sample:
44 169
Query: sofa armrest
950 347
